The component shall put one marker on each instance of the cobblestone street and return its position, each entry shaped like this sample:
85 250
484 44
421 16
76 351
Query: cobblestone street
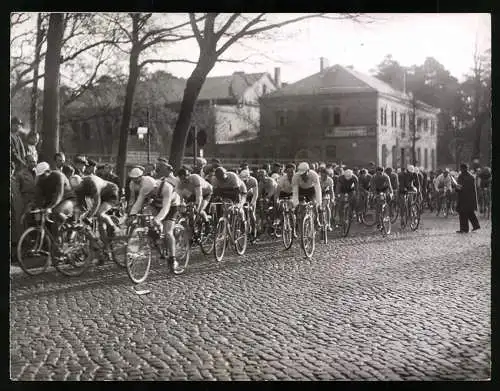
412 306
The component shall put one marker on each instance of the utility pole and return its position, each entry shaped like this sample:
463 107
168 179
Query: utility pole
413 125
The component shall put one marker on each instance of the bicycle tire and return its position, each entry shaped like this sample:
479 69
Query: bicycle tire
220 240
324 229
182 245
385 220
240 236
72 269
368 214
308 229
287 234
346 220
138 258
394 210
414 217
207 241
24 263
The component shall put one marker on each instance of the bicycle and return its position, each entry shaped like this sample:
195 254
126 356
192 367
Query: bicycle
367 212
444 196
199 231
265 217
384 214
409 211
325 217
69 257
305 218
287 222
345 214
143 236
393 209
230 228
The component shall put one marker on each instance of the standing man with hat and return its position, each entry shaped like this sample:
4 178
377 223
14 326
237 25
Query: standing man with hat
467 200
17 149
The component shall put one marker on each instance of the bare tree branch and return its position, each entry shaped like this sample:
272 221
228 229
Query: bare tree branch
240 34
158 61
224 28
194 26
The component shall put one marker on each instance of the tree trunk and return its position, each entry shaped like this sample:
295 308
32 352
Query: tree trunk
126 115
34 90
50 115
191 93
478 124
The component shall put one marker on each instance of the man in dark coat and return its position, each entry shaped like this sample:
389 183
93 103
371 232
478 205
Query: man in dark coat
467 200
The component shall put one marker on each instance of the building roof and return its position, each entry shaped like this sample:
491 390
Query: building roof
233 86
339 79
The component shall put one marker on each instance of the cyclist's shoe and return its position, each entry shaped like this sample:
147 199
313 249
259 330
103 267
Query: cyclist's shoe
174 266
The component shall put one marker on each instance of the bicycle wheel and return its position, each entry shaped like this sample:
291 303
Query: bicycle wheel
394 211
308 236
403 215
182 245
240 235
33 251
207 240
368 214
324 228
287 230
76 254
220 239
385 218
346 220
118 244
138 255
414 217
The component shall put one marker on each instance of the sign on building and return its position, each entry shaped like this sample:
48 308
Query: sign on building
348 131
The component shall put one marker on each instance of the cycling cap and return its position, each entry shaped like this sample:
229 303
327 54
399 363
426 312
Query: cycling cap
302 168
245 174
135 172
41 168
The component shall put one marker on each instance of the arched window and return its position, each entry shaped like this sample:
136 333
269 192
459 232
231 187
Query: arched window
336 116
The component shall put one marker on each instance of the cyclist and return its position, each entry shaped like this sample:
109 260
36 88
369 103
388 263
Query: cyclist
193 188
327 192
484 184
103 195
229 185
364 187
444 186
53 192
252 194
381 183
165 202
284 189
267 185
347 183
139 181
277 171
306 185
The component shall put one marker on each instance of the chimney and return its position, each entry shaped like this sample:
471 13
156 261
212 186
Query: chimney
323 64
277 77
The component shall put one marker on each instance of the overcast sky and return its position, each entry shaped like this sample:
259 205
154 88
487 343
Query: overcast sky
410 38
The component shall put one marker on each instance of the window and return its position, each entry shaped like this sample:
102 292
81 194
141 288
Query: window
426 124
433 126
402 121
394 119
383 116
419 156
419 124
336 116
403 158
394 157
331 152
433 160
325 116
426 162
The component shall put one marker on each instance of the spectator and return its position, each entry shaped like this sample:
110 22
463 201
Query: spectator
26 180
60 161
467 200
67 170
108 175
80 164
31 144
17 150
91 167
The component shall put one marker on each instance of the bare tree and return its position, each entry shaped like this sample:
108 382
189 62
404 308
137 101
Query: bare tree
40 34
215 36
50 125
142 35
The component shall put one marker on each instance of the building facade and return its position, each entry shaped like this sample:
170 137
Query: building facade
342 115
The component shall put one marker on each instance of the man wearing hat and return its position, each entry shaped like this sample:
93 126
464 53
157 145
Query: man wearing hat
140 186
306 184
17 149
80 164
467 200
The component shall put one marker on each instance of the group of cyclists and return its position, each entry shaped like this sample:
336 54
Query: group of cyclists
64 193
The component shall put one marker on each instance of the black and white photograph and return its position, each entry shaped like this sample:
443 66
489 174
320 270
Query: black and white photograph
250 196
